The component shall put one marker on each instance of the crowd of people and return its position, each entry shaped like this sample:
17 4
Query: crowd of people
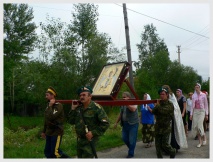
166 122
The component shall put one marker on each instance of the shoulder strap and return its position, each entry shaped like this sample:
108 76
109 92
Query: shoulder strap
82 117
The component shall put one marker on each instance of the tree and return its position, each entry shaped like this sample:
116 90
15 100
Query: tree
58 47
19 31
157 69
90 43
150 43
84 26
19 41
183 77
153 74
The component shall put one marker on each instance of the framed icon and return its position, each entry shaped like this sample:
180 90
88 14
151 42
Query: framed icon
110 80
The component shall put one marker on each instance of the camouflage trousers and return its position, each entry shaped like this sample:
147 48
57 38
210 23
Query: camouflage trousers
148 133
161 144
84 149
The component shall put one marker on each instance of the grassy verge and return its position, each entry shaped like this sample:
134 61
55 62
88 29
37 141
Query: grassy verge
22 137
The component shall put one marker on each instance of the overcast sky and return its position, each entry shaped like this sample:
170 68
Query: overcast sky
180 24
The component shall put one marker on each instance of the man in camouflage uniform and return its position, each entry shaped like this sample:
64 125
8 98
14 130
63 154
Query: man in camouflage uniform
53 126
90 122
164 113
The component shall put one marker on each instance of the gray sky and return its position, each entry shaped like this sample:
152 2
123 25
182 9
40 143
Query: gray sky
184 24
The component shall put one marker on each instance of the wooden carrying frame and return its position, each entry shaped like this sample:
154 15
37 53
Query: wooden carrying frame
108 84
110 80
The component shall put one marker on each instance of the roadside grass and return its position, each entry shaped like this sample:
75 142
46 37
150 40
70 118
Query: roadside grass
22 137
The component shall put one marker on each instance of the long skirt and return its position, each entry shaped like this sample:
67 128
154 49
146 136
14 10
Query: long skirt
197 122
148 133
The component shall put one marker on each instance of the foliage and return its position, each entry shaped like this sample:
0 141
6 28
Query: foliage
185 77
153 74
150 44
25 136
19 31
157 69
19 41
89 42
205 86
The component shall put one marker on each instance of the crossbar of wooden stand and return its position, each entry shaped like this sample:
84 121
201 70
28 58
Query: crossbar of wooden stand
115 102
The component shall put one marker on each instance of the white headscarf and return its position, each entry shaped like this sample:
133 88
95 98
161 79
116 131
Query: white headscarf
147 98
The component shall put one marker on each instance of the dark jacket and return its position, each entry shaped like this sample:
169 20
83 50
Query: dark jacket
53 120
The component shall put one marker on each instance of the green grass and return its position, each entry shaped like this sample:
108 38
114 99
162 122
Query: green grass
22 137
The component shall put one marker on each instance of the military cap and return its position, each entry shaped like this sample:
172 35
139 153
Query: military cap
52 91
163 89
84 89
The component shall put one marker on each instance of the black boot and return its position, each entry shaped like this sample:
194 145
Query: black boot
173 155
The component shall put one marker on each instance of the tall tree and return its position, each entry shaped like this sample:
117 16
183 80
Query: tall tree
92 46
57 45
19 41
84 26
150 43
157 69
183 77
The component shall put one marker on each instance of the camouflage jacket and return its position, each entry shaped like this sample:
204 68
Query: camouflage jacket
53 120
164 114
94 116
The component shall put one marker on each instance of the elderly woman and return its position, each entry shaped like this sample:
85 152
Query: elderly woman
199 112
147 121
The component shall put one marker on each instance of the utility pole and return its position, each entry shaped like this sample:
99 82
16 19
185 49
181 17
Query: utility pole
128 45
178 53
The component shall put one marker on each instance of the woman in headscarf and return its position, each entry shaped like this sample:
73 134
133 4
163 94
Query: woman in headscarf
181 99
147 121
199 112
178 137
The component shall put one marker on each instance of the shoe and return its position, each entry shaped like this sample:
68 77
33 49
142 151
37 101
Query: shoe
199 145
204 143
129 156
173 156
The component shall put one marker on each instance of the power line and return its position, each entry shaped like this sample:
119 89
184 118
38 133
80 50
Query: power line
202 31
195 50
166 22
197 43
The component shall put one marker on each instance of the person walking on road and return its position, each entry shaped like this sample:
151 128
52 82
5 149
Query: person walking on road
147 121
188 108
53 126
178 137
90 120
164 114
129 122
181 99
199 113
